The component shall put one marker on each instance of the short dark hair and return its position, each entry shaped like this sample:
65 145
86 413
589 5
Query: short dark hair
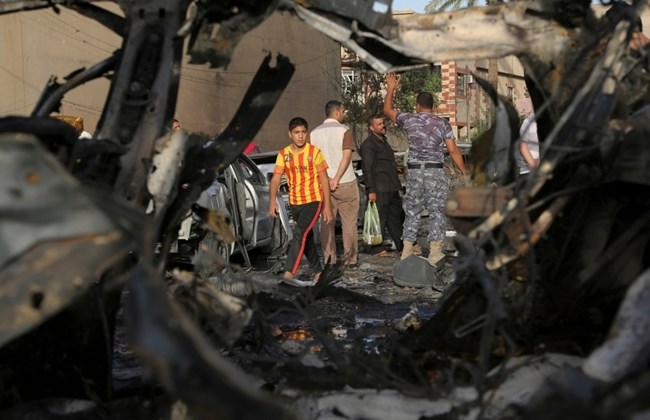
375 117
425 100
298 122
621 10
332 106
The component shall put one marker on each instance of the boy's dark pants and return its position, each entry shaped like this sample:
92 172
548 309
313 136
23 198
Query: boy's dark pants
305 217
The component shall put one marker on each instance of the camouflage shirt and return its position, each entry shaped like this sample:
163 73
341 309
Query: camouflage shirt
426 135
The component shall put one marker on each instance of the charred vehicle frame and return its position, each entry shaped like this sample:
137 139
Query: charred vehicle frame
238 198
75 233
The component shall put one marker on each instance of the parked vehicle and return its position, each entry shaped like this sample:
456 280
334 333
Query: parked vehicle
240 194
266 162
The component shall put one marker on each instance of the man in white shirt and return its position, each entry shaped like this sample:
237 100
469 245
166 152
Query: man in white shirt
335 140
528 146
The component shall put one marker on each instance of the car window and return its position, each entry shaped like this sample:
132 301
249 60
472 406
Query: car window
249 171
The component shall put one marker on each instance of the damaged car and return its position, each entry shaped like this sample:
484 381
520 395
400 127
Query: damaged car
555 263
238 199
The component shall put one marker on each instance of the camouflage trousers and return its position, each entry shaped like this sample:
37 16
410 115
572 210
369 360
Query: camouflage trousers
425 188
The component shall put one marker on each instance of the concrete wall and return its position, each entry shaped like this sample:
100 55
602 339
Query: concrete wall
209 98
35 45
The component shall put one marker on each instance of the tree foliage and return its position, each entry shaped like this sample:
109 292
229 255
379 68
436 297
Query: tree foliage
413 82
363 94
442 5
435 6
364 90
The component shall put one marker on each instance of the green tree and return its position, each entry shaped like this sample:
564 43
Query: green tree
364 89
413 82
361 88
436 6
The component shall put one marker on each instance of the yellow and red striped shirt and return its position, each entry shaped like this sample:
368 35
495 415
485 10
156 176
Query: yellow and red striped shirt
302 169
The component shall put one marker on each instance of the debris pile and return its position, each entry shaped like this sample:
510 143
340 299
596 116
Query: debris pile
548 305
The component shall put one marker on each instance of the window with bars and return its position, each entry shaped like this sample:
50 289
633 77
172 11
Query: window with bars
461 84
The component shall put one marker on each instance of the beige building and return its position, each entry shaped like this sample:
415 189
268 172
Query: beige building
466 104
463 102
468 108
38 44
208 98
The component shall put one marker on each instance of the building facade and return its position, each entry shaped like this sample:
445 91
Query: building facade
466 105
38 44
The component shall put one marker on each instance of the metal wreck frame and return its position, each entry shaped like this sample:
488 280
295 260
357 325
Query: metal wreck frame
73 212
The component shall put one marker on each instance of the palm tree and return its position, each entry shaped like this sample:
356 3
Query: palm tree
435 6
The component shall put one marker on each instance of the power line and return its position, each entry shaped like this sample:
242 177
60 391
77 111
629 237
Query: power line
61 32
12 108
87 108
215 71
63 23
19 78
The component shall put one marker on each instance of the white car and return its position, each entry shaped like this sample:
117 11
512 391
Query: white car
241 194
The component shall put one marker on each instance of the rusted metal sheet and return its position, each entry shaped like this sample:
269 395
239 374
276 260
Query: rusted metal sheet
476 201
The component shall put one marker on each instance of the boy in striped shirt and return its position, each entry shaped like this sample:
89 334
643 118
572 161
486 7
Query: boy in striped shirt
309 194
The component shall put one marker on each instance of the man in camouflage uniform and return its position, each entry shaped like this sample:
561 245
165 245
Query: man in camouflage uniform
426 183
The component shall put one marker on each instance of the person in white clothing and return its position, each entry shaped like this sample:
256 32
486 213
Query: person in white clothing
335 140
528 146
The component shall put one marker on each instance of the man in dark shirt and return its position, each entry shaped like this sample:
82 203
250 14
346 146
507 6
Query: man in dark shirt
381 181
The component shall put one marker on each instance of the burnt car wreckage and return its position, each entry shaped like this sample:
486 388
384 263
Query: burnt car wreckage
554 263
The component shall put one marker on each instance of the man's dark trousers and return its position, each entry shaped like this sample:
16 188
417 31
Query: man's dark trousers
391 215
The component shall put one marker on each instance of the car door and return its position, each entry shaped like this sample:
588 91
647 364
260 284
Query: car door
252 201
